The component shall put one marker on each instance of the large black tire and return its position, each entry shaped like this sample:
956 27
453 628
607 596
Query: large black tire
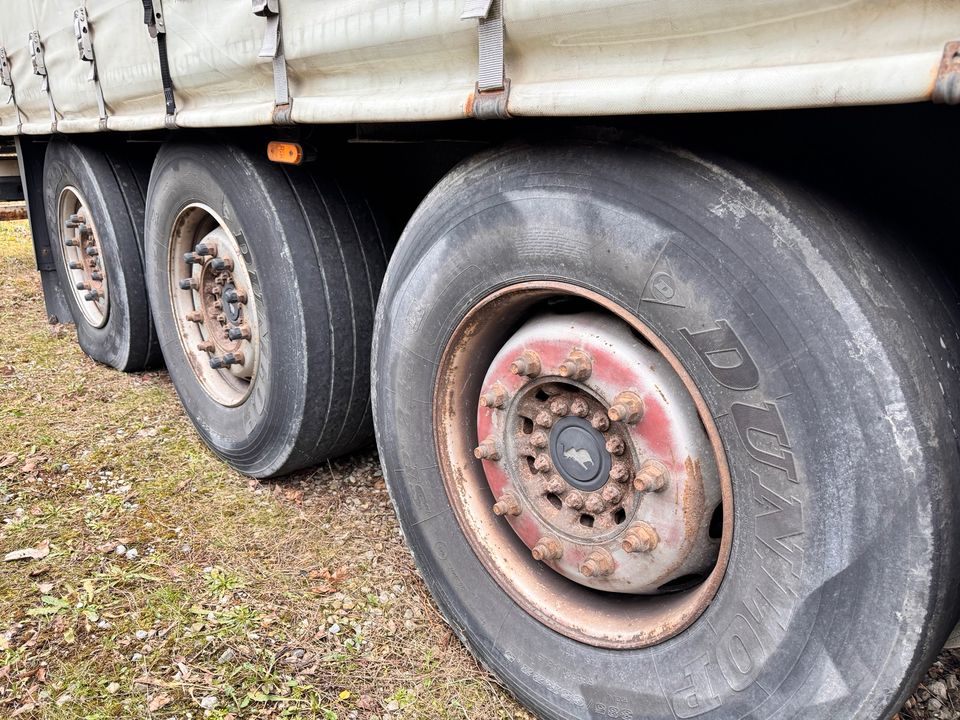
113 183
841 583
316 258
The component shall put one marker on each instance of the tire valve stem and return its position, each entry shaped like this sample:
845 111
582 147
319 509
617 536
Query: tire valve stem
627 407
507 505
598 564
577 366
239 333
547 548
234 296
651 478
528 364
640 537
495 397
206 346
487 450
221 264
189 284
194 316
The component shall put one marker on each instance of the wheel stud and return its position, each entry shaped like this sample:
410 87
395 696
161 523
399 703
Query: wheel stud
221 264
70 242
559 407
577 366
91 295
651 478
528 364
614 445
82 286
191 258
75 265
207 249
579 407
507 505
594 504
542 463
92 252
487 450
619 473
221 318
611 494
547 548
640 537
96 277
574 500
627 407
189 284
73 221
539 439
234 296
494 397
194 316
206 346
228 359
599 564
600 422
239 333
85 231
544 419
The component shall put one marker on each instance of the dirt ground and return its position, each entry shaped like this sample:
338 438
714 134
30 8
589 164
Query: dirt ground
162 584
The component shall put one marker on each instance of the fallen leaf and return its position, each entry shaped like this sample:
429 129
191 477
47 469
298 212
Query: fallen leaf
322 589
45 588
6 370
23 709
8 460
159 701
37 553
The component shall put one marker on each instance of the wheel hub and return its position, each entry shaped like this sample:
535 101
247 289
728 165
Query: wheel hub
578 453
83 257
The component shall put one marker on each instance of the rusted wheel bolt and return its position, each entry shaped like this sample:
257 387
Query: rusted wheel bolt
651 478
627 407
555 486
640 537
577 366
96 277
191 258
82 286
599 564
559 407
73 221
228 359
507 505
528 364
234 296
239 333
544 419
221 264
594 504
542 463
574 500
189 284
611 494
92 252
547 548
70 242
600 422
85 232
194 316
614 445
579 407
495 397
539 439
487 450
92 296
206 346
207 249
75 265
619 473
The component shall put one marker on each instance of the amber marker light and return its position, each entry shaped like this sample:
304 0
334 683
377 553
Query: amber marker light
288 153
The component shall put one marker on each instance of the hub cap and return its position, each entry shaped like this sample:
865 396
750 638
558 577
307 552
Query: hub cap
83 260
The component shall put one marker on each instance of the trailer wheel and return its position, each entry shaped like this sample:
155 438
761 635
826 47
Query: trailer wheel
94 207
669 440
263 281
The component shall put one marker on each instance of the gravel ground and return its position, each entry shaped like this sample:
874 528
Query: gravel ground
160 583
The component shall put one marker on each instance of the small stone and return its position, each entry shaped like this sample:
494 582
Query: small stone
334 629
393 706
210 702
141 634
938 688
132 554
226 656
113 688
136 657
120 549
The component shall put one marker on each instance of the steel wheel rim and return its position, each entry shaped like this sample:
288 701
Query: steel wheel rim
206 265
83 260
602 619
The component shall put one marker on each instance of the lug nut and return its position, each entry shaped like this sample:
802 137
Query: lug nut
600 422
577 366
599 564
85 232
619 473
239 333
194 316
547 548
611 494
544 419
542 463
206 346
207 249
82 286
234 296
75 265
221 264
539 439
191 258
574 500
189 284
528 364
73 221
70 242
221 318
91 295
555 485
96 277
579 407
92 252
228 359
559 407
614 445
640 537
651 478
494 397
627 407
487 450
507 505
594 504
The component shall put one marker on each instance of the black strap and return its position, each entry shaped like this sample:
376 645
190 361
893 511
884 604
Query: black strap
158 31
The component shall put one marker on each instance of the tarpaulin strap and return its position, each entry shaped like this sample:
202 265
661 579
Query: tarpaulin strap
40 68
493 87
81 28
153 19
6 77
273 48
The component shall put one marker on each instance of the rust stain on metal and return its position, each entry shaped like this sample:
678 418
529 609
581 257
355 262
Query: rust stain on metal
946 87
18 212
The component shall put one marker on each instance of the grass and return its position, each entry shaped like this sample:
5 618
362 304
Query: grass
175 587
